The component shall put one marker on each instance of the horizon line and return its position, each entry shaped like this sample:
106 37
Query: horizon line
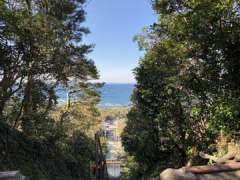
119 82
112 82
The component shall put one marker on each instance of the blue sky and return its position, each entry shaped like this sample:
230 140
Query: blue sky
113 24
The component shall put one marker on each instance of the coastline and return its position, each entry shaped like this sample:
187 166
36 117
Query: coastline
111 95
114 106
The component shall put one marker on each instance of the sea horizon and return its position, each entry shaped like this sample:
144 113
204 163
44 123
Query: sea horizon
111 95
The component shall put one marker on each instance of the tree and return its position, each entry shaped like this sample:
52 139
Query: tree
156 131
41 49
210 31
187 88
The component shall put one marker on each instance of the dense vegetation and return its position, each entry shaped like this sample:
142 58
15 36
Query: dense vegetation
41 50
188 86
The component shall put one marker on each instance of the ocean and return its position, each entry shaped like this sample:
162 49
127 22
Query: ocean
116 95
112 94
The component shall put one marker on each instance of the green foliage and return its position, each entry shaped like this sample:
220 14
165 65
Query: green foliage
187 87
41 159
130 168
225 117
114 112
156 131
41 50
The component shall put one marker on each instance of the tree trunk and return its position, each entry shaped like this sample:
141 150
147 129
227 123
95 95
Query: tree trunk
181 132
2 105
27 107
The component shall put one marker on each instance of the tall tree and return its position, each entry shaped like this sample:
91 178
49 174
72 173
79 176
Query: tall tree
187 88
41 49
157 124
